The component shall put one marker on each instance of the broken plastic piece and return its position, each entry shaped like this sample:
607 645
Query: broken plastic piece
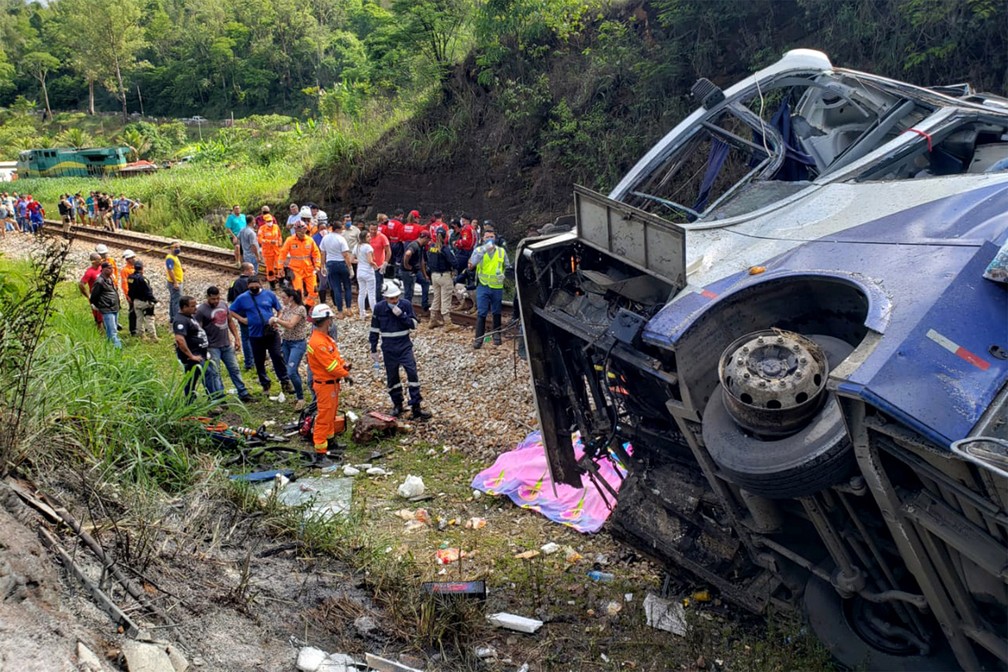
413 486
514 622
665 615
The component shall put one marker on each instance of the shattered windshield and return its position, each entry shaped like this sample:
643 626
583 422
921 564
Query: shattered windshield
787 133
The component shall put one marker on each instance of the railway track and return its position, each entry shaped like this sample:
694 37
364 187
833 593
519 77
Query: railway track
196 254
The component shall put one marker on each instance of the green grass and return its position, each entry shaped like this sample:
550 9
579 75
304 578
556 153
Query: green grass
178 201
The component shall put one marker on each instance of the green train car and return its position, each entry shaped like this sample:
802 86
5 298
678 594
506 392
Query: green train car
68 162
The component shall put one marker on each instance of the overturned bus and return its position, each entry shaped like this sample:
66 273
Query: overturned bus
783 308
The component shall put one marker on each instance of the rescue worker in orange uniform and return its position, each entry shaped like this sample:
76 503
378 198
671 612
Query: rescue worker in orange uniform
270 240
302 256
327 368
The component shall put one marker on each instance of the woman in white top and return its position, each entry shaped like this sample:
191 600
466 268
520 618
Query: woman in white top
366 280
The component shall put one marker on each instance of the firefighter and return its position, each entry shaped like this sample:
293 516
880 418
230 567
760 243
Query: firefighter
270 240
302 256
327 368
391 320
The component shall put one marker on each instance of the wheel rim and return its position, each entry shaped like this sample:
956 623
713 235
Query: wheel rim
773 381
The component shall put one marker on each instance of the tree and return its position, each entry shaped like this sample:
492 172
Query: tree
434 27
39 64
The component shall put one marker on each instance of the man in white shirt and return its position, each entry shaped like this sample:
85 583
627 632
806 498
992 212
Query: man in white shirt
293 218
320 216
337 262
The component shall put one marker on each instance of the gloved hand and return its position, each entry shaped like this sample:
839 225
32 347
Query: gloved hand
415 322
375 357
397 311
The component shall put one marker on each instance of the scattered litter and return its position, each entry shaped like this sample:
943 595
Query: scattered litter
549 548
601 559
527 555
280 398
613 608
365 625
485 652
309 658
376 471
445 556
701 596
351 416
571 556
431 452
605 658
514 622
365 467
524 668
476 523
413 486
628 597
261 476
350 471
405 514
471 589
385 665
423 516
602 577
414 525
665 615
322 496
477 494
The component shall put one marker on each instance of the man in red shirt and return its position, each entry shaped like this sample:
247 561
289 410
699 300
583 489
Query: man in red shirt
411 228
467 237
87 282
438 225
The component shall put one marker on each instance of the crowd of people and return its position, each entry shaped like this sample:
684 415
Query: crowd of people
21 213
295 283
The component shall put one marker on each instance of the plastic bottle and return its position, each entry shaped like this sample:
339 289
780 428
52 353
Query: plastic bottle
603 577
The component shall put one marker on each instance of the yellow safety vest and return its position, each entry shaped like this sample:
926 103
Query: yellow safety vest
178 268
490 270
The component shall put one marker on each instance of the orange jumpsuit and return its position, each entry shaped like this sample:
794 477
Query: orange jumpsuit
305 260
270 240
327 368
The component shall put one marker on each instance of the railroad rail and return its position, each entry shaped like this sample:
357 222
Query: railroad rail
198 254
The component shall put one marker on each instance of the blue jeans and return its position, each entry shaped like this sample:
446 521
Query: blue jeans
293 352
339 283
246 347
173 298
488 300
111 323
214 383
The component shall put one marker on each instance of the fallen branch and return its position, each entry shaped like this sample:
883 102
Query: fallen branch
99 596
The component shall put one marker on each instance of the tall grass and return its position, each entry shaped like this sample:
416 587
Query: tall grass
115 409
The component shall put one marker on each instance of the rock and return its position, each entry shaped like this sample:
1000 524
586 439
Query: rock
87 661
310 659
376 471
365 625
145 657
350 471
177 658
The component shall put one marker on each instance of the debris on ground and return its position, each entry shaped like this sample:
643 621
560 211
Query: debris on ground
549 548
446 556
373 426
148 657
413 486
311 659
322 497
514 622
665 614
385 665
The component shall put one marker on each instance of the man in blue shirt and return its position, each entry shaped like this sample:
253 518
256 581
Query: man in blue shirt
254 308
234 225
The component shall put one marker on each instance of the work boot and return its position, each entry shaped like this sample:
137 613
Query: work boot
480 331
436 320
287 386
397 410
450 326
497 329
420 414
334 447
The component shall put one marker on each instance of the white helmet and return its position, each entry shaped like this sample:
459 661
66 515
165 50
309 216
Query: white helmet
128 254
305 212
101 249
321 311
391 289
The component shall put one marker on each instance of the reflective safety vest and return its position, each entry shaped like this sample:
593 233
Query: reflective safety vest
270 236
304 254
490 270
324 358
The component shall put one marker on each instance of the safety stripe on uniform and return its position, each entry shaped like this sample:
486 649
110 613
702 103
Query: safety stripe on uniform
394 334
395 387
332 366
958 350
416 384
375 330
308 349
